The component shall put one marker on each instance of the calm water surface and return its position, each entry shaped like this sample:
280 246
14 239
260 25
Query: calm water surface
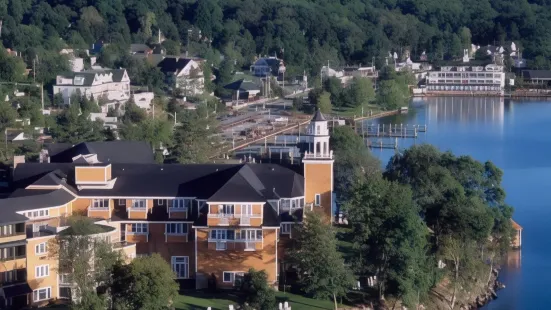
516 136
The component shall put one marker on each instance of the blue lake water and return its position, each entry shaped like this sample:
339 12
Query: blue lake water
516 136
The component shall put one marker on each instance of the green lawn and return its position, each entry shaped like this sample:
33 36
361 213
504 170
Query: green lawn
350 112
221 301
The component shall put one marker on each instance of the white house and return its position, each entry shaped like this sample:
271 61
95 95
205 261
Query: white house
108 84
185 73
468 79
143 100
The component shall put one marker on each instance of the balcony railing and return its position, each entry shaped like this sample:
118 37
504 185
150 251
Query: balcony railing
323 155
244 219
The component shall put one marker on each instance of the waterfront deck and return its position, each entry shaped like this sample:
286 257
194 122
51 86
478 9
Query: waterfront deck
380 144
391 130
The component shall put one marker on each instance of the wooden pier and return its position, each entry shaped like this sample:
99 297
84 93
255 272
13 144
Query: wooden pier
382 144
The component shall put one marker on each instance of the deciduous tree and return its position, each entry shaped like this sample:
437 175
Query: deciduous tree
146 283
321 268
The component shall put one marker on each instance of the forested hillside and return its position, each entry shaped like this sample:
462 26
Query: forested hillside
307 32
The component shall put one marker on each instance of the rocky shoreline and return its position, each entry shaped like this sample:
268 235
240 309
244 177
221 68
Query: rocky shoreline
488 296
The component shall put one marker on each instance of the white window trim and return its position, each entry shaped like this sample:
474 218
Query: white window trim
173 263
317 200
160 202
139 229
100 202
48 293
286 231
138 208
177 234
233 274
38 251
38 271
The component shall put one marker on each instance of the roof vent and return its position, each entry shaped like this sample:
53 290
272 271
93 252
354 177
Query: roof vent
273 169
216 169
161 168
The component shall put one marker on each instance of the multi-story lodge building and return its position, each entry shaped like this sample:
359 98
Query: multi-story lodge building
109 84
211 222
467 79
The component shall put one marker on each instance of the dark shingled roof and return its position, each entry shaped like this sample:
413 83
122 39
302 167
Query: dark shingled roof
537 74
173 65
318 117
17 290
108 152
210 182
242 85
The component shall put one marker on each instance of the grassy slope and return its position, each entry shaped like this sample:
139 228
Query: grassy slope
200 301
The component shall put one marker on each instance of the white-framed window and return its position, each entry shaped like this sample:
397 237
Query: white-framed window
64 278
222 234
249 235
176 228
40 248
139 203
232 276
42 271
160 202
42 294
180 266
317 200
100 203
285 228
37 227
226 209
7 230
181 203
247 210
139 228
37 214
122 202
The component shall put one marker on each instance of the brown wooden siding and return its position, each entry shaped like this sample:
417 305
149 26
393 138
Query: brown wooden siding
80 205
211 262
168 249
317 180
33 261
91 174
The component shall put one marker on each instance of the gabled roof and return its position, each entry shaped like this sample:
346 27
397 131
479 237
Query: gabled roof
107 151
139 48
88 76
173 65
242 85
213 182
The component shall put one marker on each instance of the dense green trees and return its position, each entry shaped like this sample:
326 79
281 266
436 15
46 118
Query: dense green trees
425 207
146 283
321 268
257 293
305 33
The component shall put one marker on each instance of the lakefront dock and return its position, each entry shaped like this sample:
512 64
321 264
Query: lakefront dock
391 130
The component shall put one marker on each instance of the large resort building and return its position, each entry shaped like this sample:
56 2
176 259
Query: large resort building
489 79
211 222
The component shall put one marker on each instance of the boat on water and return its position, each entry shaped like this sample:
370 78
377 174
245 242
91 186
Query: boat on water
404 110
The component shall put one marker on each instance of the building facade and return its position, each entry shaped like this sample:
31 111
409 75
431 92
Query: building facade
212 222
467 79
185 74
107 84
